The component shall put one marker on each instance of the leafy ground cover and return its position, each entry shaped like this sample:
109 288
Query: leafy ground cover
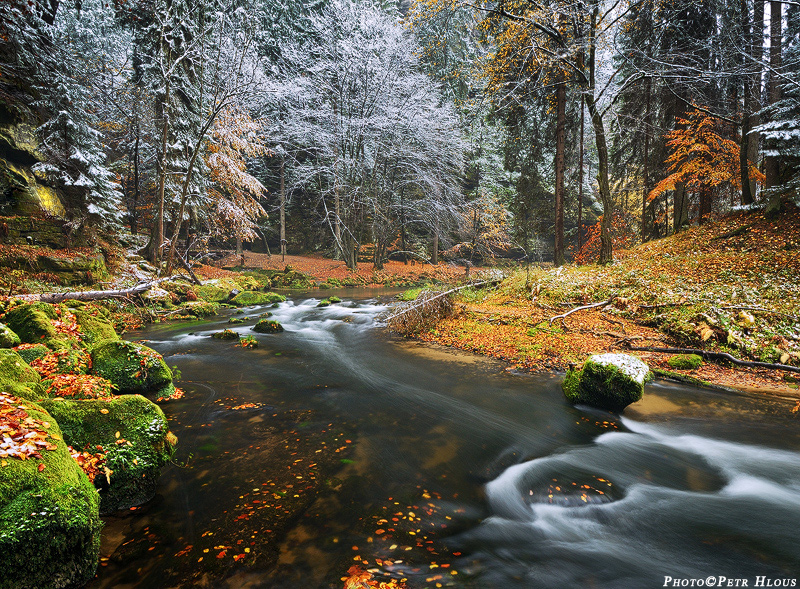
731 287
335 271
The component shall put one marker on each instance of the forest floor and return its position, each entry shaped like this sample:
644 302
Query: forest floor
322 269
730 286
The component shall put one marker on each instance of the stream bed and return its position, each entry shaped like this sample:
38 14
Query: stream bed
334 445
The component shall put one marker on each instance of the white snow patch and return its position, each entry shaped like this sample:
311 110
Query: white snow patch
625 363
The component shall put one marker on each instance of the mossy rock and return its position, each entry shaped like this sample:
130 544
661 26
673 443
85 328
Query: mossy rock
324 303
15 371
201 308
334 299
265 315
236 320
134 435
685 361
49 523
607 381
248 298
225 334
94 326
267 326
132 367
212 293
8 339
77 386
409 295
30 352
32 322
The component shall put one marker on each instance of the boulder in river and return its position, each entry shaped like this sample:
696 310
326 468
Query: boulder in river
267 326
251 297
131 367
133 434
607 381
49 523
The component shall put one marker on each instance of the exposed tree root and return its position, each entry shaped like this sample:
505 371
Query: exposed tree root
718 356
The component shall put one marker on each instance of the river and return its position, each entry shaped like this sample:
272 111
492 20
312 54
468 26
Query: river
445 469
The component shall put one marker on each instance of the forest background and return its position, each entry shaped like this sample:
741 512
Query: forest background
545 131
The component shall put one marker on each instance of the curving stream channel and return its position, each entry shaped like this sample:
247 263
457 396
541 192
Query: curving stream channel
333 445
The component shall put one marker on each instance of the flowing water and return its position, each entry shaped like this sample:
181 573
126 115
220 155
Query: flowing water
457 472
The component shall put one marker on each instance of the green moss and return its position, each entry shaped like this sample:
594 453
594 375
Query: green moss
236 320
94 326
267 326
68 361
570 385
29 354
8 339
685 361
265 315
248 298
410 295
15 371
225 334
132 367
334 299
201 308
324 303
607 381
49 524
31 322
212 294
136 461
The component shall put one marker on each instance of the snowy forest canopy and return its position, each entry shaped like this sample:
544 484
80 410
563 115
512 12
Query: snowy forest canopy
540 130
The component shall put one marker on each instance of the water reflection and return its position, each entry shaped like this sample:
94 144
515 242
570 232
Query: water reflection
440 467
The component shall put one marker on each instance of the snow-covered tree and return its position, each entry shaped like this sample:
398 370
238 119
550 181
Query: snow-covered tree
376 141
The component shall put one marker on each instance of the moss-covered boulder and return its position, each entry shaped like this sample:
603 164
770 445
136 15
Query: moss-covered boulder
94 325
49 523
236 320
685 361
267 326
201 308
8 339
212 293
225 334
131 367
249 297
31 352
607 381
133 434
16 375
32 322
324 303
334 299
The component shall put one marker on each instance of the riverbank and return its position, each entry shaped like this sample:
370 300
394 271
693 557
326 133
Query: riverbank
731 286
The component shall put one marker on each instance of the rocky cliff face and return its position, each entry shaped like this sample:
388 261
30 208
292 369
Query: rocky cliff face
31 212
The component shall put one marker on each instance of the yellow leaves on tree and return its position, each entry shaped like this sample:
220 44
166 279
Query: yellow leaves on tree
235 193
702 156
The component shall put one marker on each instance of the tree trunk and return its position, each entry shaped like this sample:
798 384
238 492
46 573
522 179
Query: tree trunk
747 90
757 52
561 101
705 203
648 208
162 180
283 206
435 247
680 207
580 182
606 241
771 163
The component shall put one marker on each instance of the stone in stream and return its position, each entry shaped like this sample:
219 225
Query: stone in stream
607 381
132 367
133 434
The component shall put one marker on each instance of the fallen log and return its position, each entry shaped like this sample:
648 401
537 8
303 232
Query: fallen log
413 306
718 356
571 311
97 295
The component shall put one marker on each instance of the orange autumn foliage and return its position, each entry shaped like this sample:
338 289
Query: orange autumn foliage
702 156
